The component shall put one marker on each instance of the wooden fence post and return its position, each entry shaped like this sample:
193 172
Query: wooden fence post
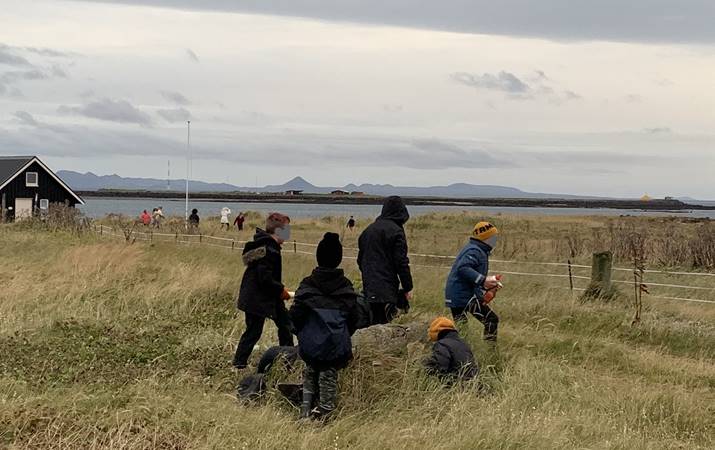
295 247
233 244
570 276
601 271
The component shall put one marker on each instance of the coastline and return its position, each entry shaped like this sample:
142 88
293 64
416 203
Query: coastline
674 206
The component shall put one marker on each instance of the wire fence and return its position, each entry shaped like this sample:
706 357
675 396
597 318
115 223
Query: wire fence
298 249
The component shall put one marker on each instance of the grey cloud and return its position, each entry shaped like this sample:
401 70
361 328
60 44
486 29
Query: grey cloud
119 111
502 81
58 72
664 21
192 56
526 88
25 118
48 52
8 57
23 75
452 155
28 120
590 153
175 97
175 115
658 130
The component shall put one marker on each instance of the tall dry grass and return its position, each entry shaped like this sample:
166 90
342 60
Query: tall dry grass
109 345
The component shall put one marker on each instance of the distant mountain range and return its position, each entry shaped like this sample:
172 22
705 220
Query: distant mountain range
91 182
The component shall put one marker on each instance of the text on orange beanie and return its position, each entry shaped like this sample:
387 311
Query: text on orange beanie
438 325
484 230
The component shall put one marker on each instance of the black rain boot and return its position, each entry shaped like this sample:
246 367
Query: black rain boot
306 406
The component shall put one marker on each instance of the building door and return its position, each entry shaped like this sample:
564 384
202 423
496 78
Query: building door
23 208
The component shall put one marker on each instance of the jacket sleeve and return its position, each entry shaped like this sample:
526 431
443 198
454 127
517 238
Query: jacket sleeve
360 254
470 269
402 262
439 361
354 317
298 314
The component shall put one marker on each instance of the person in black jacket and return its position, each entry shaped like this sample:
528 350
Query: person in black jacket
194 220
324 315
451 357
262 293
383 261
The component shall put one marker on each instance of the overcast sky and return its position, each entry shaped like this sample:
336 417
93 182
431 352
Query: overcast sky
586 97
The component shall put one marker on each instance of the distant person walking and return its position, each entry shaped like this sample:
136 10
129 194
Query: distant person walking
469 288
158 216
225 212
351 224
239 221
194 220
145 217
383 262
262 294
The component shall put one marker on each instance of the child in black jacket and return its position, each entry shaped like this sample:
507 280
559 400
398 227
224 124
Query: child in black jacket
324 315
451 357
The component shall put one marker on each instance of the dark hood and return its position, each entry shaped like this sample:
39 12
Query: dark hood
262 235
394 209
327 281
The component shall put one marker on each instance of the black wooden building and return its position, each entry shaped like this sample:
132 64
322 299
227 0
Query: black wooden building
28 186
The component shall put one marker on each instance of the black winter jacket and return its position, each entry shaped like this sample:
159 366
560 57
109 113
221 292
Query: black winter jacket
324 316
452 358
261 287
382 255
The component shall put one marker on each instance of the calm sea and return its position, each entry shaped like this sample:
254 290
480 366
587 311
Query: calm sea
99 207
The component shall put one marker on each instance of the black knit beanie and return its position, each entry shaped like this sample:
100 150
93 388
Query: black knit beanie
330 251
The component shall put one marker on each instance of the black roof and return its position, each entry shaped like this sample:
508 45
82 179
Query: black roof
10 165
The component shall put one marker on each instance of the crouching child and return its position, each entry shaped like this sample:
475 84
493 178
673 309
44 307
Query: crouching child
324 315
452 358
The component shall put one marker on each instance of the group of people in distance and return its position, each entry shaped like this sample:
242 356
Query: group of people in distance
157 216
154 219
327 310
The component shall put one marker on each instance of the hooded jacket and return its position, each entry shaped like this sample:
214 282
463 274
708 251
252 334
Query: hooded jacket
466 279
261 286
382 255
324 316
452 358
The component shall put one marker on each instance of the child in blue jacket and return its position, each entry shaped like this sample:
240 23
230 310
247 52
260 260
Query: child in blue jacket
469 287
325 315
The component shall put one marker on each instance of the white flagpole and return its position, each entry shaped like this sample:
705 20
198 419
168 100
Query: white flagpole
188 162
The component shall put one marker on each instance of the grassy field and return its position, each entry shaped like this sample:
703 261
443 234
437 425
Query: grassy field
109 345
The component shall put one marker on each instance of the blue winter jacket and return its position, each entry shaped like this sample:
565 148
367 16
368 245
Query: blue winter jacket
466 279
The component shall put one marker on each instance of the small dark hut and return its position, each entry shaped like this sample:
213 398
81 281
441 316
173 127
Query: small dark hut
29 187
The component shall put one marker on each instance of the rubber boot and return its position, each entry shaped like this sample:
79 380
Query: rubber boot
306 406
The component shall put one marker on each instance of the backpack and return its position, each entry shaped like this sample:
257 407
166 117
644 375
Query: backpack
325 336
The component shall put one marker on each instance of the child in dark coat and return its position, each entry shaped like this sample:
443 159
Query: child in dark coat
262 295
451 357
324 315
